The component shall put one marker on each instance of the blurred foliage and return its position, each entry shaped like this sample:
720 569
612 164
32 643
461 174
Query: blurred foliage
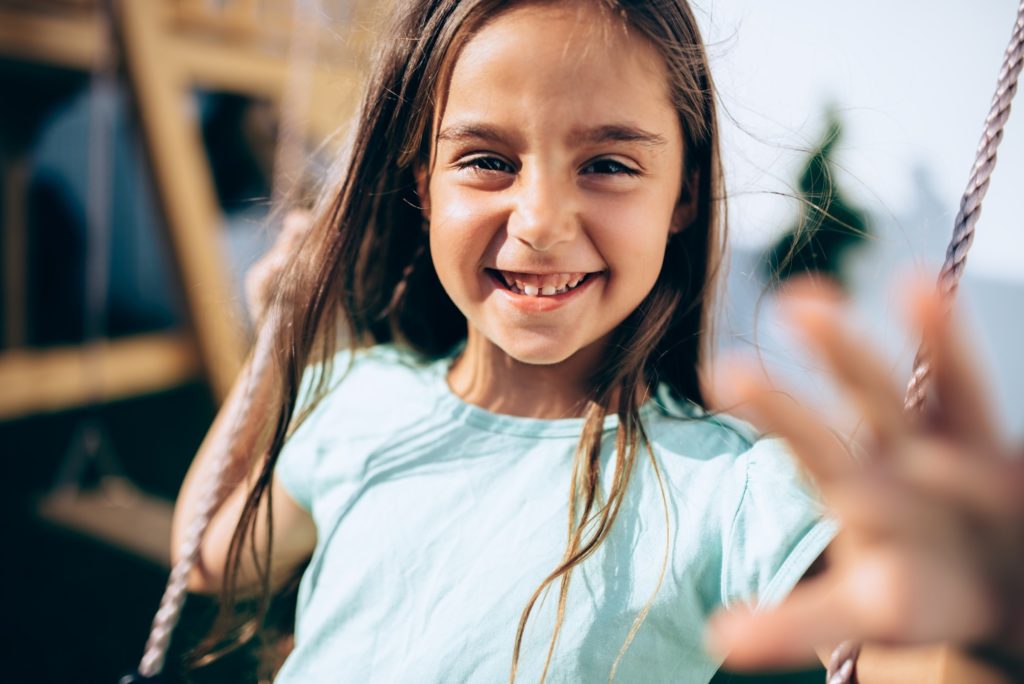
828 226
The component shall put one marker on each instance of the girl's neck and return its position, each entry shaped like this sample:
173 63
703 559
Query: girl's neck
484 375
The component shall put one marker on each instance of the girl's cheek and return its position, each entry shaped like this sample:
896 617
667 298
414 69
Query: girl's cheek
635 227
462 206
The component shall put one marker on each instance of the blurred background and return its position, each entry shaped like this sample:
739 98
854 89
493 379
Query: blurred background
873 110
147 148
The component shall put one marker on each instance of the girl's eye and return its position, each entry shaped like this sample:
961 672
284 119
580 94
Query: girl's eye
609 167
486 164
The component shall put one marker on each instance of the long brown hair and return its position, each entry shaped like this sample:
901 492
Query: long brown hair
366 271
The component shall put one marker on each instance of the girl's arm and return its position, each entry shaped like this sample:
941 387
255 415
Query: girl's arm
932 546
294 531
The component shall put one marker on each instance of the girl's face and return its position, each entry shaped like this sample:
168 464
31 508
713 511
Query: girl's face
555 181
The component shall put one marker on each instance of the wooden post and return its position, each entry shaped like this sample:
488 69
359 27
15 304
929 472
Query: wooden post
184 186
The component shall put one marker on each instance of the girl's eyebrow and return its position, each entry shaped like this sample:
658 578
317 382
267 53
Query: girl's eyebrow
616 133
619 132
467 132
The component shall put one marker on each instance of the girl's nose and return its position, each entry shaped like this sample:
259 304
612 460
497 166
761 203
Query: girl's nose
543 216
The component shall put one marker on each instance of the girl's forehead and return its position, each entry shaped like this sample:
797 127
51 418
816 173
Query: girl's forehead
574 60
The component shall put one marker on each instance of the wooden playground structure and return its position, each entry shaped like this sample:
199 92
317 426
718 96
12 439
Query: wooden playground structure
162 49
165 48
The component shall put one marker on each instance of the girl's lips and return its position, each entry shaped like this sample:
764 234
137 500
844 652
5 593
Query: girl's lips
539 303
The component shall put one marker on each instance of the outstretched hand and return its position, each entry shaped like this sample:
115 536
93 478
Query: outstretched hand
932 516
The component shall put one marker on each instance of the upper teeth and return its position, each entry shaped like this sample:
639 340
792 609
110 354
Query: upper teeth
542 285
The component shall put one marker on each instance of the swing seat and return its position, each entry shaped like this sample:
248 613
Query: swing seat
116 512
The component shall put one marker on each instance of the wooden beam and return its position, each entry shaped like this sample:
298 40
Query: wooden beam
184 186
245 68
334 91
66 40
41 380
235 68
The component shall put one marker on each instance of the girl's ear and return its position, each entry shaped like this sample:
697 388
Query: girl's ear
423 190
686 208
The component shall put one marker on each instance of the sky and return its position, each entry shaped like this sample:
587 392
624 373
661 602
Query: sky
913 82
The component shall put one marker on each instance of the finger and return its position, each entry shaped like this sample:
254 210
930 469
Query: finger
260 279
818 448
878 506
297 223
255 294
866 379
884 597
964 401
891 594
981 485
785 636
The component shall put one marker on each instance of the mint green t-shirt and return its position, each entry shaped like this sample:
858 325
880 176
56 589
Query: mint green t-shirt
436 521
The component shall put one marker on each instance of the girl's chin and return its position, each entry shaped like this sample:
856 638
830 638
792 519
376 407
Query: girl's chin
535 349
538 349
539 359
539 354
536 346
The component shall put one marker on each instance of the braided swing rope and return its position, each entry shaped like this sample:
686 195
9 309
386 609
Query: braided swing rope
842 664
173 600
288 165
970 204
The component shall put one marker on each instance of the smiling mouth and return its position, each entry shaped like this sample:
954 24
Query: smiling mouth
537 285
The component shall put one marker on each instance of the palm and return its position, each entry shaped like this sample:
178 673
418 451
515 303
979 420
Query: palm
932 517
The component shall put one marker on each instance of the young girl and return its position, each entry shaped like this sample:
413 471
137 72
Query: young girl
507 471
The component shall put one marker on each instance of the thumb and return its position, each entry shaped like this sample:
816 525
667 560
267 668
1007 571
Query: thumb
786 636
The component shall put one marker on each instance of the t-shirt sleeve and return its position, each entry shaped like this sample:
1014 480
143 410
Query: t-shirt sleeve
779 528
295 467
297 463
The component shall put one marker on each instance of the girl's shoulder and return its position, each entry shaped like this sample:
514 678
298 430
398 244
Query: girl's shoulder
351 404
695 443
680 421
750 513
372 384
381 366
682 430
